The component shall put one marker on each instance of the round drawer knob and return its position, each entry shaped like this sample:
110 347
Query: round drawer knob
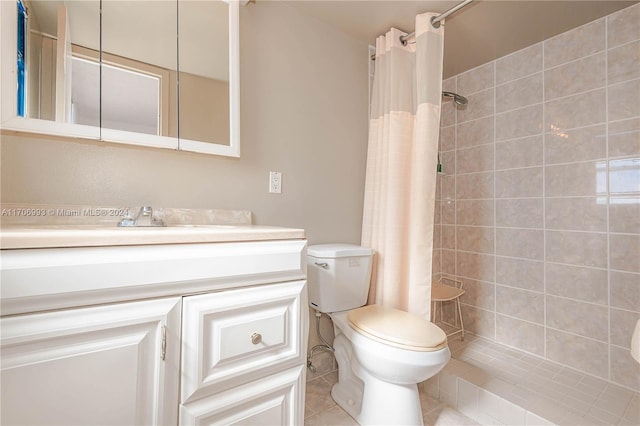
256 338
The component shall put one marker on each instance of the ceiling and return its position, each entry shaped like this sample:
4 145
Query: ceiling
480 32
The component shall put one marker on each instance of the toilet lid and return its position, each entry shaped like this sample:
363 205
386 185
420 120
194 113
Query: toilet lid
397 328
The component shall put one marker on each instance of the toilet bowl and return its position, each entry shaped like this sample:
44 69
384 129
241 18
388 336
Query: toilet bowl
382 353
378 376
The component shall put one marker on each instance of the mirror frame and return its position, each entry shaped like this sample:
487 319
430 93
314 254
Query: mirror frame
9 120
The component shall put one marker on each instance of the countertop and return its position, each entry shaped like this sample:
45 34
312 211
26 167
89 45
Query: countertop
50 236
27 226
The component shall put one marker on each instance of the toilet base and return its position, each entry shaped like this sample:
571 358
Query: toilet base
400 405
369 400
390 404
349 398
347 393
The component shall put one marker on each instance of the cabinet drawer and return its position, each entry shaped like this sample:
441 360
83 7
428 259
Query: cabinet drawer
273 400
235 336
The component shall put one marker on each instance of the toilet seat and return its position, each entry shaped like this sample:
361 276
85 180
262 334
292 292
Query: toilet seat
397 328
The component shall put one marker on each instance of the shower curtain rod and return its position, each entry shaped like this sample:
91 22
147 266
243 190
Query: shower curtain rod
435 21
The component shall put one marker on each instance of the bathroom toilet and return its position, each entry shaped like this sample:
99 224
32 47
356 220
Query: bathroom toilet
382 353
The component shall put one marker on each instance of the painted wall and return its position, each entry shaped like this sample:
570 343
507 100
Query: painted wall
303 112
540 200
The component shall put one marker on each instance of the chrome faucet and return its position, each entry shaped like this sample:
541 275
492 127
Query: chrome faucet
144 218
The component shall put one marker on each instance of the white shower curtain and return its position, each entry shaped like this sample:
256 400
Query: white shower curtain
401 170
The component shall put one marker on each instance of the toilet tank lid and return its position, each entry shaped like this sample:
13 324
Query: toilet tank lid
338 250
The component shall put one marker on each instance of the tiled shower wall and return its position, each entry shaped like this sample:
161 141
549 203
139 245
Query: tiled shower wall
539 202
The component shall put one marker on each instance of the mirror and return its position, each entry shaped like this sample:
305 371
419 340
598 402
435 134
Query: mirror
124 78
139 95
203 81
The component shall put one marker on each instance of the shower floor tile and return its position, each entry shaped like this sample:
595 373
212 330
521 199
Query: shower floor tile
544 389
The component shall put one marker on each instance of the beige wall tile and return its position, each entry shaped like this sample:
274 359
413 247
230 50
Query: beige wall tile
624 138
577 282
624 290
520 334
580 110
448 237
449 262
437 236
624 252
586 143
623 100
476 132
521 243
577 179
448 187
483 106
519 212
448 212
576 213
478 239
588 355
475 266
519 93
570 78
521 304
624 214
447 138
523 152
622 323
474 159
624 369
623 63
518 183
521 273
477 79
479 294
574 44
623 26
519 123
436 261
448 161
519 64
585 319
449 84
560 185
475 186
576 248
479 321
475 212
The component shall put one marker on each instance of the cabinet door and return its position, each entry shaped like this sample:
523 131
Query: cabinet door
273 400
113 364
235 336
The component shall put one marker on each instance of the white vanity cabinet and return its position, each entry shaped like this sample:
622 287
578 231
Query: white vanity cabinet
113 364
206 333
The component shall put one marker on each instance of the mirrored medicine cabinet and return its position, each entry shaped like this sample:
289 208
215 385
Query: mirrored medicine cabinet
159 73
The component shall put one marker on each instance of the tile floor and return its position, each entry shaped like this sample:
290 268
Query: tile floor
320 408
559 394
554 392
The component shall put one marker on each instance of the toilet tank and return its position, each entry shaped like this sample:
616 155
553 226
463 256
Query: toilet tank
338 276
